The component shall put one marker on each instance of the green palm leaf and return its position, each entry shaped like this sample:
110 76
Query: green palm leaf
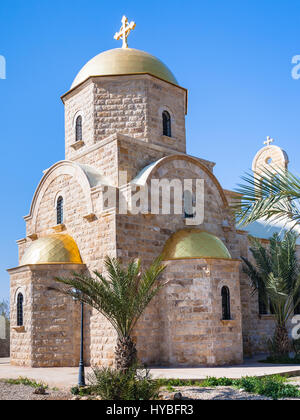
121 295
270 197
275 275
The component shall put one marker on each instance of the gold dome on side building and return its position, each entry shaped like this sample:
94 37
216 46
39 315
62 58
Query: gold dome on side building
194 243
124 61
56 248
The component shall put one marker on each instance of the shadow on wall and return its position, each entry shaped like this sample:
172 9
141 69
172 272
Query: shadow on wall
4 337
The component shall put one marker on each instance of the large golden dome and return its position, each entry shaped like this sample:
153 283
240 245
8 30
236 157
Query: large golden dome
123 61
194 243
56 248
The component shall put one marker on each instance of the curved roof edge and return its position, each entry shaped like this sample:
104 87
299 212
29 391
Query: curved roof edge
143 176
283 152
88 177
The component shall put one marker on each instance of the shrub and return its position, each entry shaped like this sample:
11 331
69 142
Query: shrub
274 387
134 384
213 382
271 386
27 382
82 391
178 382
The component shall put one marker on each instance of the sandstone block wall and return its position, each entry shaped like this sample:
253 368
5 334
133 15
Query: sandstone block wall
51 329
131 105
122 131
4 337
187 316
20 341
81 103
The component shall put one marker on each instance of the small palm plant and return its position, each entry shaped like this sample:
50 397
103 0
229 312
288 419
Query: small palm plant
275 276
121 298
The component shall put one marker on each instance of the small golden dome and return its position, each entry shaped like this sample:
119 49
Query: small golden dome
123 61
194 243
56 248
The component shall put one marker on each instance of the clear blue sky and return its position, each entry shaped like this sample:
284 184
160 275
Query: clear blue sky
234 57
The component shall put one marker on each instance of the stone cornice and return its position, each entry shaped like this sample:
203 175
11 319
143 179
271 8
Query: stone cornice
45 267
148 75
131 140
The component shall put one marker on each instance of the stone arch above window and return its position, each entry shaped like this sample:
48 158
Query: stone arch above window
61 168
146 174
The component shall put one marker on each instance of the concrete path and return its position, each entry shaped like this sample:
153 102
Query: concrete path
65 378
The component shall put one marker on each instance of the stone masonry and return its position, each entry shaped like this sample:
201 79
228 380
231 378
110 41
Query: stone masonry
122 133
4 337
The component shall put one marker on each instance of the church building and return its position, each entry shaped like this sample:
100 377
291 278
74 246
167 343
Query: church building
125 114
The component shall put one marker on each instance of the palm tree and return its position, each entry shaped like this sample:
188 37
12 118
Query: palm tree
275 276
270 197
121 298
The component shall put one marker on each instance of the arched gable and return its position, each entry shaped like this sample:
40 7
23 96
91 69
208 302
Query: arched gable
146 174
60 168
277 156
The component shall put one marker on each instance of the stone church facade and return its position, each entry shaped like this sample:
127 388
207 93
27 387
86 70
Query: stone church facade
125 114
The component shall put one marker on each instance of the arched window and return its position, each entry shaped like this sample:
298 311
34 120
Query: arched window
60 210
188 203
166 124
79 128
225 303
20 300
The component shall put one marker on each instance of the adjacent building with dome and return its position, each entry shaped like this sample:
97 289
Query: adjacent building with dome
125 115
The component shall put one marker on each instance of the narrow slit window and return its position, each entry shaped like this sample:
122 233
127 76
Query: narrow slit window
225 303
188 203
167 124
79 128
60 210
20 301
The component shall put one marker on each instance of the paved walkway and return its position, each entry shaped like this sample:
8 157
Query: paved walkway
67 377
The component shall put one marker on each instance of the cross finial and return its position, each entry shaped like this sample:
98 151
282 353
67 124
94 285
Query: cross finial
269 141
125 30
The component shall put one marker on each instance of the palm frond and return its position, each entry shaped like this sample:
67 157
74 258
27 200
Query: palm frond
122 296
270 197
276 274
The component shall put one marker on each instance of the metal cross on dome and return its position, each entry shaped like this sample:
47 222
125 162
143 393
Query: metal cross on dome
125 30
269 141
